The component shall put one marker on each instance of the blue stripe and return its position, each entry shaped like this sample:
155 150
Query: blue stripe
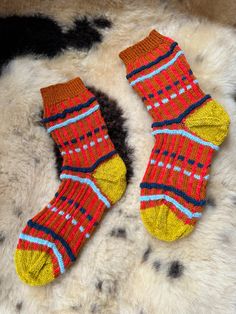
149 65
49 244
82 137
90 183
163 67
63 114
76 205
72 120
182 115
186 134
94 166
146 185
169 199
55 236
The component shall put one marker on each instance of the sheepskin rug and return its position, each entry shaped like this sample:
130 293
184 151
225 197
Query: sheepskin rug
122 269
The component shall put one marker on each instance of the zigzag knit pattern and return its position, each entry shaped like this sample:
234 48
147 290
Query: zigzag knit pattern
93 178
188 128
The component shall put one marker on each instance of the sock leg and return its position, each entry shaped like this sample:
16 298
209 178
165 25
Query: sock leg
188 128
93 178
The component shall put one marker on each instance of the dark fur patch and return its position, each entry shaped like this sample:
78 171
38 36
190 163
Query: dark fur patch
19 306
211 201
22 35
98 285
2 237
59 159
41 35
199 58
76 307
17 212
115 121
83 35
146 254
118 233
102 22
156 265
175 270
113 116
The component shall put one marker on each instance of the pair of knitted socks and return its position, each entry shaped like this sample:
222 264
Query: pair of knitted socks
188 127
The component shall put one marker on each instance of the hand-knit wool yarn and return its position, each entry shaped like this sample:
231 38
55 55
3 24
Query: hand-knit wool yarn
188 128
93 178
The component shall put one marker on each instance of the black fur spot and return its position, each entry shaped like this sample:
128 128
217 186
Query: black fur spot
146 254
59 159
175 270
234 200
2 237
199 58
102 22
37 160
225 238
41 35
113 116
211 201
31 34
156 265
118 233
234 96
99 285
19 306
17 212
83 35
76 307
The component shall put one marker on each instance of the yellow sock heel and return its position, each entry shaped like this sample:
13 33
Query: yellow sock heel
210 122
111 178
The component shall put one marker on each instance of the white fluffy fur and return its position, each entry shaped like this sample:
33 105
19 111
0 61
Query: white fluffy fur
28 178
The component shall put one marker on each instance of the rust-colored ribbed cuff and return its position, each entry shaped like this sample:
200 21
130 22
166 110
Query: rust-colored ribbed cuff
152 41
54 94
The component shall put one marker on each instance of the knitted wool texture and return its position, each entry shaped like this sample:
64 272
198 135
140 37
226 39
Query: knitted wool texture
93 178
188 128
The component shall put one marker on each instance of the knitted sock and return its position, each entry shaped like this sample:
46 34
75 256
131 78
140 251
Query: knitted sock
188 127
93 178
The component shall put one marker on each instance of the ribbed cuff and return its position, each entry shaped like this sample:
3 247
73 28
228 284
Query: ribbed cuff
152 41
54 94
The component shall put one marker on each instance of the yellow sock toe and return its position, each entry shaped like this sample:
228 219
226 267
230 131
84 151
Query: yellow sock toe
163 224
34 267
